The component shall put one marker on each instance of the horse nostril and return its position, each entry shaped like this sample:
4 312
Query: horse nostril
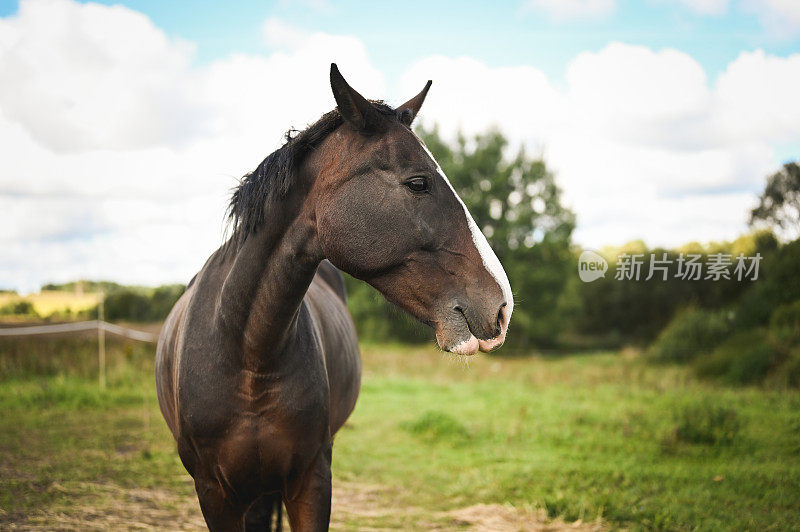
500 317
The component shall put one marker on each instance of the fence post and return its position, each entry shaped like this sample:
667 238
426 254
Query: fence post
101 340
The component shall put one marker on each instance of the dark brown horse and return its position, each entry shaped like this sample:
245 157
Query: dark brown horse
258 363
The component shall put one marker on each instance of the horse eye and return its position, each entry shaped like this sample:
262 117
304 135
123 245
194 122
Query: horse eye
417 184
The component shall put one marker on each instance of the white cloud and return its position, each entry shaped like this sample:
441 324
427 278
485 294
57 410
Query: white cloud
290 87
468 95
119 152
572 9
87 77
635 94
757 98
781 18
644 146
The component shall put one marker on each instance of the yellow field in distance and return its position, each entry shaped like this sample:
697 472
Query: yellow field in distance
48 302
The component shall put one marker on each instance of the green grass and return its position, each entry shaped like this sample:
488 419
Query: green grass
577 437
580 436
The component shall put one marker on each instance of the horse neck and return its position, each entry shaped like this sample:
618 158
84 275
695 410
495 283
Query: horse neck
270 275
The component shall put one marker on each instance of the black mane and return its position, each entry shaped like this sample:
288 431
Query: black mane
273 178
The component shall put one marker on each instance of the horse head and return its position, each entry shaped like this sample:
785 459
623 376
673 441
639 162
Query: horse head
387 214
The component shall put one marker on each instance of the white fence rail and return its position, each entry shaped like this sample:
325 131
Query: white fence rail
93 325
102 327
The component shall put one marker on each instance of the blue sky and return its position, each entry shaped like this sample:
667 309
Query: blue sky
661 119
499 33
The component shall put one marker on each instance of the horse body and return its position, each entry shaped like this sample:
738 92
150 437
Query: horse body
257 365
249 427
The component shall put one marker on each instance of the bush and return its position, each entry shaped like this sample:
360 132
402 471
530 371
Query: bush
704 424
128 305
163 299
788 374
784 324
142 305
435 426
690 334
745 358
778 284
18 308
637 311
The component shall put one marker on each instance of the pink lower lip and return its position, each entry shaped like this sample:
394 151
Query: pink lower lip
467 347
490 345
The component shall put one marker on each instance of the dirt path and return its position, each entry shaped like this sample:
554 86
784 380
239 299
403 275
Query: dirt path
355 507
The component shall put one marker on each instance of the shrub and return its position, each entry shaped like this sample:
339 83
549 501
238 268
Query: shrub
163 299
142 305
437 426
778 284
690 333
788 373
745 358
703 424
127 304
784 324
18 308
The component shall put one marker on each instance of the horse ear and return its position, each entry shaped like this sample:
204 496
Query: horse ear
353 107
409 110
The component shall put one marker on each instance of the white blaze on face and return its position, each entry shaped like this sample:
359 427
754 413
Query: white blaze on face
490 260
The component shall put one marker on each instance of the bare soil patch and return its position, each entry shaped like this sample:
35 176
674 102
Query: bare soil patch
106 506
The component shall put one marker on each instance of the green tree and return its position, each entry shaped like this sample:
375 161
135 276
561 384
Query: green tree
18 308
141 304
127 304
517 204
779 204
613 311
163 299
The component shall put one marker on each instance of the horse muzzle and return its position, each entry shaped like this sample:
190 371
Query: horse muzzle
465 330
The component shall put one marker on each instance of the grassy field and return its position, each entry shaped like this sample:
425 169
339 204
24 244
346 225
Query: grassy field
516 444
